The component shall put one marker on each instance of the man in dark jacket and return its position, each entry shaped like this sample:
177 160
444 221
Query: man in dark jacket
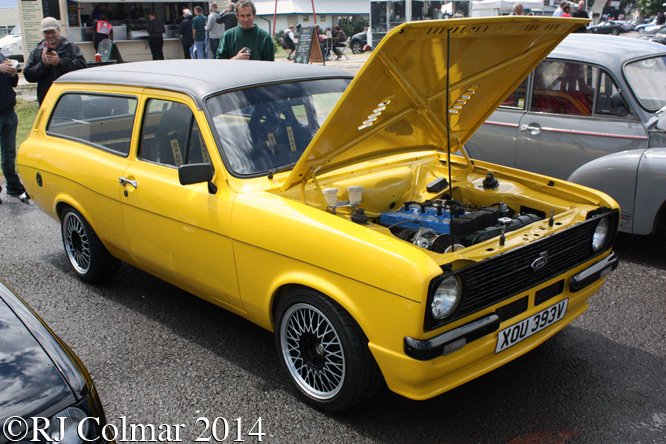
53 57
228 18
155 36
8 125
580 13
185 31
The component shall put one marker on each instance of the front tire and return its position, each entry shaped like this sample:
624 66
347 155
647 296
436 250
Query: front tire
86 254
324 352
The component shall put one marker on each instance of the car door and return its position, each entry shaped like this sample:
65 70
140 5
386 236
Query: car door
179 233
92 131
572 120
495 140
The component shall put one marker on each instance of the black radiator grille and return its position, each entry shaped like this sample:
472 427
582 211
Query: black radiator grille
508 274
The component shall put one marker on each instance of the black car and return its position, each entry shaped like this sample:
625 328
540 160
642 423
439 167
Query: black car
42 380
358 41
609 27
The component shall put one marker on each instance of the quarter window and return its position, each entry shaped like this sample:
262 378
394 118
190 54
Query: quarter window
103 121
564 88
171 135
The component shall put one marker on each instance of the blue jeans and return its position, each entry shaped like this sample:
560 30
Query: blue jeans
201 49
8 126
214 43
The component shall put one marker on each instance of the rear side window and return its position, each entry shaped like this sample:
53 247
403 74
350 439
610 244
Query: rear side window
564 88
102 121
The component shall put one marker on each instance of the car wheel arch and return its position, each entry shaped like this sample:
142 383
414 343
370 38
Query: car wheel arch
333 292
651 191
616 175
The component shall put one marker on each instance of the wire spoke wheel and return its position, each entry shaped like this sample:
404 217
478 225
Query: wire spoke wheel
313 351
77 243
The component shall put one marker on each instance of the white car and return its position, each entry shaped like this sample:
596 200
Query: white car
12 45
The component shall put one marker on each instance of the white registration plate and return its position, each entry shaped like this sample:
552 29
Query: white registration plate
510 336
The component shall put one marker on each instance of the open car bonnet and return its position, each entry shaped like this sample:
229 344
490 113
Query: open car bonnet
398 100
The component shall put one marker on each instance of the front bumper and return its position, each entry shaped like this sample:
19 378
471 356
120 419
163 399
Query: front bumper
454 340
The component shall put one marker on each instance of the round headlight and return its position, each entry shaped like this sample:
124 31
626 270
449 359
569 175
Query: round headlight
600 234
446 298
65 430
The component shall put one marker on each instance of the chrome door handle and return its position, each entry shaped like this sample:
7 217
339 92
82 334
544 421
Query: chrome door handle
125 181
531 129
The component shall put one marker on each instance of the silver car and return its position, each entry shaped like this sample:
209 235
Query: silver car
591 113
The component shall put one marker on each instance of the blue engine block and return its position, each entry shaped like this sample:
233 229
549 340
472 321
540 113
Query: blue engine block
441 224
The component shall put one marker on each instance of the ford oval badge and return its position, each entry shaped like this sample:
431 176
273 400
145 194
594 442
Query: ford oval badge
540 262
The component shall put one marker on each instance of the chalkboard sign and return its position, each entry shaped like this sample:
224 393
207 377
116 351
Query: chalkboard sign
308 49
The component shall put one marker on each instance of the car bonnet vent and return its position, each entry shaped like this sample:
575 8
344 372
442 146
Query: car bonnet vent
457 29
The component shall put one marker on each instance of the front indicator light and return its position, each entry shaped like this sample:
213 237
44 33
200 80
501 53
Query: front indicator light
446 298
600 234
64 426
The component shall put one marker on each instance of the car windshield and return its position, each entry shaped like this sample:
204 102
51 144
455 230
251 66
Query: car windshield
268 127
647 78
16 30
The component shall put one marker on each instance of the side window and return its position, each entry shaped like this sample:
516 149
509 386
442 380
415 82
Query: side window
517 98
103 121
605 102
170 135
564 88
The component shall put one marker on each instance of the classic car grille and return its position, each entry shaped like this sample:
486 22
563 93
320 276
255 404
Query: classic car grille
498 278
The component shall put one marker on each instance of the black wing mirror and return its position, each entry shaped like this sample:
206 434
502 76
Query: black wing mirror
197 173
618 105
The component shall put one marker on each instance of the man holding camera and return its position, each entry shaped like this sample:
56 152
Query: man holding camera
246 41
53 57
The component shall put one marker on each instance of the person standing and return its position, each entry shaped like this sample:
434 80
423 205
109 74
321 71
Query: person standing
228 18
246 41
560 10
51 58
185 30
518 9
155 36
101 30
8 126
97 12
581 13
137 12
215 30
199 32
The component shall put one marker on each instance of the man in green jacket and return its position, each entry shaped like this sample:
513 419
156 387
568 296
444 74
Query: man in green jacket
246 41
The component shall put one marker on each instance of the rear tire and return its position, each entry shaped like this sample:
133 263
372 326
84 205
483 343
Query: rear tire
86 254
324 352
357 48
615 31
641 30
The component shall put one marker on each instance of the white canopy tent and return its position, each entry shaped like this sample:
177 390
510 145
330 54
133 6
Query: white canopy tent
496 7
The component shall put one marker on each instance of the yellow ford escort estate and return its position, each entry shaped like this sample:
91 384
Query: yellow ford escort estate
329 209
